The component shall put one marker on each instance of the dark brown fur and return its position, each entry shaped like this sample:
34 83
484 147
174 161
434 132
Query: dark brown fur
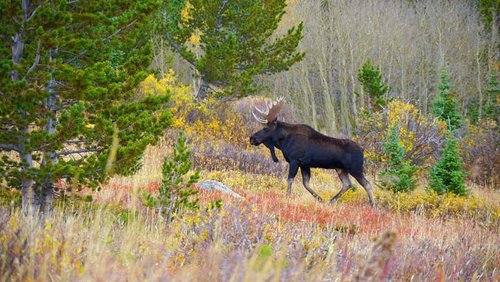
305 148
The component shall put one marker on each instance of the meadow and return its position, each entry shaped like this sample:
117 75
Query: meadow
95 93
111 235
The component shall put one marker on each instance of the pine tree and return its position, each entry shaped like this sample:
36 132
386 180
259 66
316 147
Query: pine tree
234 41
175 191
399 175
68 109
445 105
491 107
372 81
446 175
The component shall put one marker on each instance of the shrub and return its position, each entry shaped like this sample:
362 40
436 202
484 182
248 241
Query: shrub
480 147
399 175
208 119
447 175
420 136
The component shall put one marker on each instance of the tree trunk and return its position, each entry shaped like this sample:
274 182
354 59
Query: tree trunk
28 199
47 198
203 90
27 192
171 206
47 193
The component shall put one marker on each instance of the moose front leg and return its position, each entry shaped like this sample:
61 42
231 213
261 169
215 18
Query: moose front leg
306 176
273 153
292 172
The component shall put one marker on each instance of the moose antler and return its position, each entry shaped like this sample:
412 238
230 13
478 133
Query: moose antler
271 111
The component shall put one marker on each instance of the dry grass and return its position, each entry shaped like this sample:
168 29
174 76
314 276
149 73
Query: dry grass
266 236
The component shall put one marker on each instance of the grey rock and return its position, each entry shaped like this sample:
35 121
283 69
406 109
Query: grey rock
211 185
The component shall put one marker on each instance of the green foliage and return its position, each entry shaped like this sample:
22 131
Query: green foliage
445 105
488 10
228 42
372 80
399 175
175 191
491 107
446 175
68 83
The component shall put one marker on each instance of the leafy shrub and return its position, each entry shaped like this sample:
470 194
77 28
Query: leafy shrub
208 119
446 175
480 148
224 156
420 136
398 177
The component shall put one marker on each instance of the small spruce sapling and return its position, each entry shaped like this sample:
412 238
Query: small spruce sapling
446 175
445 105
399 175
175 191
372 81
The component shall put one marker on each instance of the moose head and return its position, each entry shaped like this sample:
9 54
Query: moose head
269 118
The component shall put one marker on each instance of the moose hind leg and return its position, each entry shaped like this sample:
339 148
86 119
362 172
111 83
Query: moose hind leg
368 187
292 172
346 185
306 176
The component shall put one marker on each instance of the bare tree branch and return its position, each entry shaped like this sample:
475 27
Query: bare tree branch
120 30
37 58
32 13
178 48
9 147
78 152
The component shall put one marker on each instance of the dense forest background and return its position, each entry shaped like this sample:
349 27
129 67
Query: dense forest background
411 42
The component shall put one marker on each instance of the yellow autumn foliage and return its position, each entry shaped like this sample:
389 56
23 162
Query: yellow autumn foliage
416 131
207 119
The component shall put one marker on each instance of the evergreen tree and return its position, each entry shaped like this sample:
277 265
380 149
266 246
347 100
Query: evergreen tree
489 10
67 79
445 105
234 41
372 81
446 175
399 175
491 107
175 191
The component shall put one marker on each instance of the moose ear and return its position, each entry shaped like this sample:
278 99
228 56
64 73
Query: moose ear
274 122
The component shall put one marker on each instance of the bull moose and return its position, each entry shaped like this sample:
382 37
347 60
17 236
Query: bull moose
305 148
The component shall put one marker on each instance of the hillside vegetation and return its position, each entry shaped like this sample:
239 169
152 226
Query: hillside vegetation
415 83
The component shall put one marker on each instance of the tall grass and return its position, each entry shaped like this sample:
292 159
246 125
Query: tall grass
250 240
